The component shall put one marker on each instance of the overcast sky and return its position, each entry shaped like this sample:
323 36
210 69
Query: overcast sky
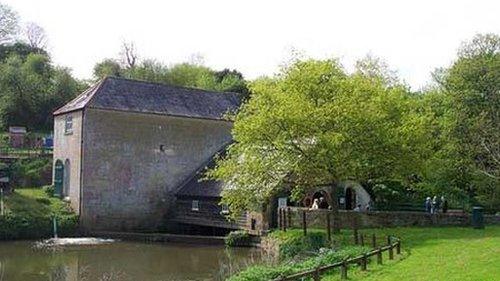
256 36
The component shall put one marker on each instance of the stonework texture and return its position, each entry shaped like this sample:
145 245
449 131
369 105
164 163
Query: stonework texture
133 163
67 146
348 219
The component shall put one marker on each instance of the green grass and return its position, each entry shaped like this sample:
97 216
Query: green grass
35 202
449 253
29 213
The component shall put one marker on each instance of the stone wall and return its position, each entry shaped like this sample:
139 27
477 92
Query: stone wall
346 219
68 147
133 163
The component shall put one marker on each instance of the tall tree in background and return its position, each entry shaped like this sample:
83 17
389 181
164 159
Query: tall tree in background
9 24
35 36
472 85
129 56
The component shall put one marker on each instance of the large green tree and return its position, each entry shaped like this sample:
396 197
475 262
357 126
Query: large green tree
471 143
314 124
31 89
182 74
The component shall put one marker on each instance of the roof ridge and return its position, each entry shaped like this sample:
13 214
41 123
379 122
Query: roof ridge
169 85
92 90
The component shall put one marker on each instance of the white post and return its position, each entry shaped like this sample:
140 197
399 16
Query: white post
55 227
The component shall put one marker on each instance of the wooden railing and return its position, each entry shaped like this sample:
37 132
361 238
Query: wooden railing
393 243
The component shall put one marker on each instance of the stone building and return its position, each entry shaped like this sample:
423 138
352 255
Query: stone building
124 149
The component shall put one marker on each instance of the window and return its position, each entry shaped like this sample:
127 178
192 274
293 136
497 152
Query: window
195 205
68 125
225 209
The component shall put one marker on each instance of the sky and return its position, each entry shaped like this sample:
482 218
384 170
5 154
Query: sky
257 36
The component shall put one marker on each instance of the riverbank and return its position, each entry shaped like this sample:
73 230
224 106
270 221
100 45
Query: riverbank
290 252
29 213
445 253
462 253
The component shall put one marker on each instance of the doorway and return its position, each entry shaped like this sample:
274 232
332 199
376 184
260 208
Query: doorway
350 198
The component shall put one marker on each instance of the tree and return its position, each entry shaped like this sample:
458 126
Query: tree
19 49
35 35
108 67
472 86
313 125
9 24
31 89
128 55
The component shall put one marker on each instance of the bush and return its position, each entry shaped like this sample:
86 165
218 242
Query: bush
32 172
14 226
29 216
49 190
238 238
269 272
293 242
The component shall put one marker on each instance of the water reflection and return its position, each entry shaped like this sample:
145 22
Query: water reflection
122 261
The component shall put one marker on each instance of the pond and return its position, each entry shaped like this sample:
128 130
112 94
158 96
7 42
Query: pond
124 261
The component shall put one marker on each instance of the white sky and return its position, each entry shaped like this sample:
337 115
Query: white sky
256 36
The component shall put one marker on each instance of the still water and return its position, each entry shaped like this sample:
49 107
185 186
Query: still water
122 261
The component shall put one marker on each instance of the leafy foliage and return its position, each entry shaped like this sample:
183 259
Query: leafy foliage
29 215
238 238
183 74
314 124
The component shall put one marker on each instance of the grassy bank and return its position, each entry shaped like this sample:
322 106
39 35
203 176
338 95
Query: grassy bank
293 252
29 213
450 253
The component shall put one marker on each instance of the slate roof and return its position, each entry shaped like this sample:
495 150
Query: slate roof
121 94
196 186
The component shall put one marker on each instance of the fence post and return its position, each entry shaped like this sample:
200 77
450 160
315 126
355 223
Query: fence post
355 233
388 240
304 222
289 218
362 239
343 270
379 256
374 241
316 276
284 219
328 228
398 247
364 262
391 252
280 219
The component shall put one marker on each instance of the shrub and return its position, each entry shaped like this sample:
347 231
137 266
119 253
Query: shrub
13 226
31 172
269 272
293 242
49 190
238 238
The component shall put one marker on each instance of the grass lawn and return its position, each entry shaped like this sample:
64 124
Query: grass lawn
35 202
448 253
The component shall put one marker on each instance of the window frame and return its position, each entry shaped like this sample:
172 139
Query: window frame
68 125
195 205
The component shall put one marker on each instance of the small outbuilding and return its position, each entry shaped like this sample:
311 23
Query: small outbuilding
17 136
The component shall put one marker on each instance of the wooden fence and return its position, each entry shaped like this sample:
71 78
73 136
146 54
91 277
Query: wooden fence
393 243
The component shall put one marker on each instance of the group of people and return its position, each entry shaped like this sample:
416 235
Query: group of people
432 206
320 203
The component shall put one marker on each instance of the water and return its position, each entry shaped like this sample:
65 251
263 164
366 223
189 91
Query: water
124 261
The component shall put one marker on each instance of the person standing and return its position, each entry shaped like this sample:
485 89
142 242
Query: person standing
427 205
435 205
444 204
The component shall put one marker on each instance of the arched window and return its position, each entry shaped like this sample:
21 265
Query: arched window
67 178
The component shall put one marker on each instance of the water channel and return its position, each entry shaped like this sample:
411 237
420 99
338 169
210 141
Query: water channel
123 261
